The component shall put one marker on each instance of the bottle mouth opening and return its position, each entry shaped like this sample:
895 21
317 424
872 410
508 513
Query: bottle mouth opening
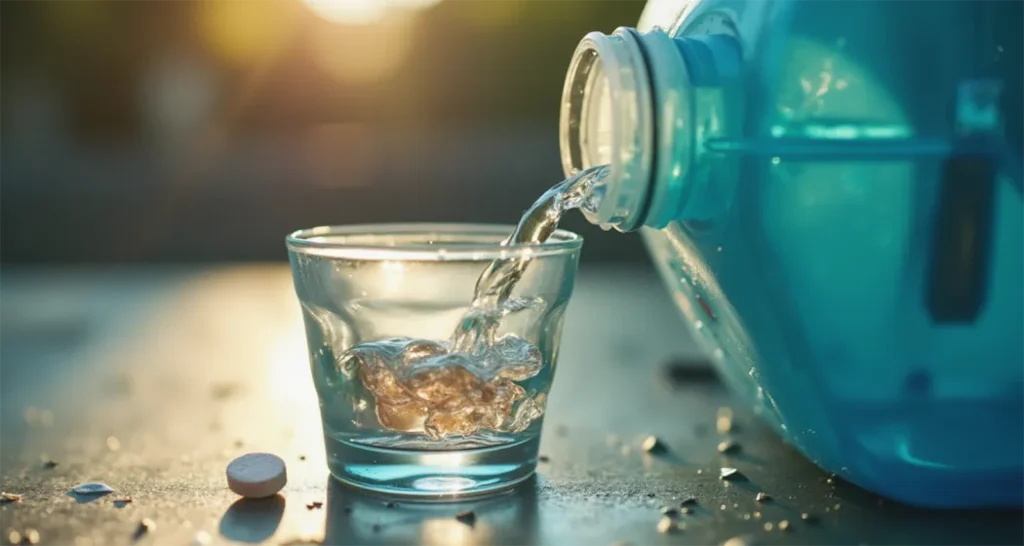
589 136
605 119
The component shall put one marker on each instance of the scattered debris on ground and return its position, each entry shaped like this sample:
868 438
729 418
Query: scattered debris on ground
667 525
30 536
723 420
729 474
145 526
93 488
468 517
728 446
652 444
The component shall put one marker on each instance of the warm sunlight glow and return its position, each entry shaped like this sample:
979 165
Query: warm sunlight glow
449 532
362 54
352 12
294 401
289 378
363 12
394 275
245 31
416 4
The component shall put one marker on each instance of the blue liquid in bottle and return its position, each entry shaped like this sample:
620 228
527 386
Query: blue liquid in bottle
833 198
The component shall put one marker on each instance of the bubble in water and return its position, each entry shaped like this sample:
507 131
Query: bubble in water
401 416
528 411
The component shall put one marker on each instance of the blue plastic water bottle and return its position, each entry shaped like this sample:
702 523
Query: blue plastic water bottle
832 194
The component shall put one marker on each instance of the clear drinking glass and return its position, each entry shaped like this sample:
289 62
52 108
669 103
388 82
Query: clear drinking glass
403 411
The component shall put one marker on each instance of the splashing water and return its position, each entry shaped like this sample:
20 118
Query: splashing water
495 284
456 387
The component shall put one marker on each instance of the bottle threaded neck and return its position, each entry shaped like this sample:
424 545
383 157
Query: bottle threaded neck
629 102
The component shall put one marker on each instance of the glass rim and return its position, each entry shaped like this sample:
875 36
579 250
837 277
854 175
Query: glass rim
449 247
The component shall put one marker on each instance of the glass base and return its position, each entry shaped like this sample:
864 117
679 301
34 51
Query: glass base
432 475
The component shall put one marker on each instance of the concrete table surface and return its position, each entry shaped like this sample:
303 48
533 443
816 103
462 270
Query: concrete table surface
152 380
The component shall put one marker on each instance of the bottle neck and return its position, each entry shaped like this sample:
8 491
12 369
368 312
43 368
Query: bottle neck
644 104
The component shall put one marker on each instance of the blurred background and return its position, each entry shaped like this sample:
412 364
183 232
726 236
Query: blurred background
186 131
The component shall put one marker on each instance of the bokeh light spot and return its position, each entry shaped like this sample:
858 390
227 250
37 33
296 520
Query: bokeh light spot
364 12
362 54
245 31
